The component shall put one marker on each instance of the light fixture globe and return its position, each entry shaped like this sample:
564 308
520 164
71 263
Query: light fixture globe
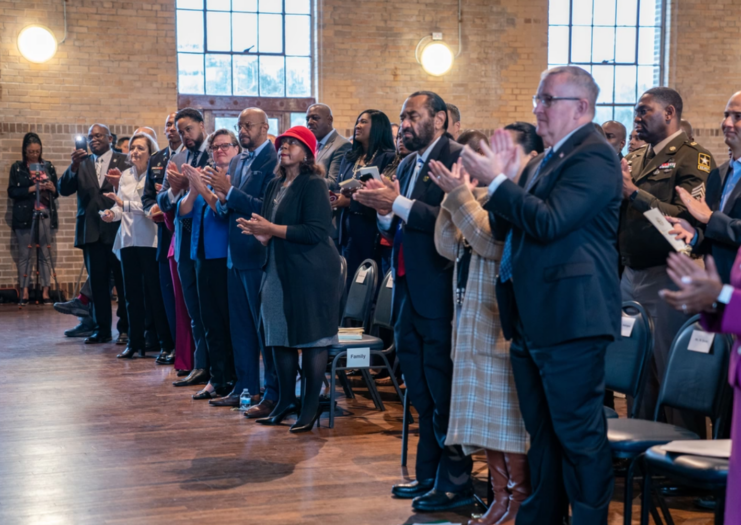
37 44
436 58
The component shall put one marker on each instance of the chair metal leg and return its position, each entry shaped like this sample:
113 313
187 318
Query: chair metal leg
345 384
372 389
628 493
405 430
332 385
720 507
665 510
392 376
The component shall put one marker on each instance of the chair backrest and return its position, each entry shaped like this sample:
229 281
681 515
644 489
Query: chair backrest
627 359
382 317
697 381
343 282
360 295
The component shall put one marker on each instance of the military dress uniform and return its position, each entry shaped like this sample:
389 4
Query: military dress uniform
643 250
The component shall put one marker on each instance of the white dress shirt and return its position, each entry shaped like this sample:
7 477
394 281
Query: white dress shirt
101 165
137 228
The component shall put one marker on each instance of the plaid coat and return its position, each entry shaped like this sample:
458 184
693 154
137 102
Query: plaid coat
484 409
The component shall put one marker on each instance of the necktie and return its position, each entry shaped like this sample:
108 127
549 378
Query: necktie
505 266
319 147
650 154
731 181
399 235
247 163
99 170
194 159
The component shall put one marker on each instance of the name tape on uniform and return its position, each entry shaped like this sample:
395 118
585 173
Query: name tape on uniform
701 341
358 357
626 327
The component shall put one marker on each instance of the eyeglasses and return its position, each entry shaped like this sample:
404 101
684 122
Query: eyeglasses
222 147
98 136
246 127
289 141
548 100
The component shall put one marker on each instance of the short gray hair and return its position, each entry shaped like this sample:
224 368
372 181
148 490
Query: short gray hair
151 143
579 78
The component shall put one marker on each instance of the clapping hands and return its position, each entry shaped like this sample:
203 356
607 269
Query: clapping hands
449 180
501 158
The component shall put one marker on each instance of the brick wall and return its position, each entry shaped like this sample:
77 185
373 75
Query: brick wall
118 66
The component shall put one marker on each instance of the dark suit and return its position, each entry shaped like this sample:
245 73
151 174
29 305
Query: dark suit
156 175
330 157
96 237
245 258
423 312
721 236
186 266
562 308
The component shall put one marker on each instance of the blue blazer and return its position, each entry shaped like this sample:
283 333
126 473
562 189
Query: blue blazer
214 229
244 251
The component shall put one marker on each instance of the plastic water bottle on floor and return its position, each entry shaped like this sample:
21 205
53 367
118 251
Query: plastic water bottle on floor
245 400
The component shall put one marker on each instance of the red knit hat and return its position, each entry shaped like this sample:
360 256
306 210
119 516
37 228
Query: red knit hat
301 133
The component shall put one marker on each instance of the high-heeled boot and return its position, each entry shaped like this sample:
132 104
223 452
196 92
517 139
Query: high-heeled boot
518 486
499 479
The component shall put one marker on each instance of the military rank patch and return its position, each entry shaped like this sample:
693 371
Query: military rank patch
699 192
703 162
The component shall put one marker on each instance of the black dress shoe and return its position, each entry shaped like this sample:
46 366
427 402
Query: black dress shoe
162 357
293 408
297 429
128 353
170 359
205 394
123 338
413 489
439 501
226 401
196 377
184 373
97 338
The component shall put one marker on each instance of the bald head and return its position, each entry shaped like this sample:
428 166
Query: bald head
171 131
731 125
149 131
615 133
319 120
253 128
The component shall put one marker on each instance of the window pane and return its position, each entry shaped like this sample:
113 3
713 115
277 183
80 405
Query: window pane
218 74
271 6
245 76
581 44
624 115
225 123
219 31
244 5
272 77
627 11
582 12
190 30
625 84
298 119
298 77
625 49
558 12
650 12
271 34
603 44
602 114
298 7
648 77
558 45
189 4
604 13
604 76
648 45
244 32
190 74
273 128
218 5
298 35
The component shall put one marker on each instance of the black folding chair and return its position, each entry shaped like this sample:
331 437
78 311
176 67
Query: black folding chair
627 360
693 381
374 344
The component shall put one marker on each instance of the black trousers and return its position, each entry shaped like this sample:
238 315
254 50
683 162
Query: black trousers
144 296
561 390
423 349
100 262
211 281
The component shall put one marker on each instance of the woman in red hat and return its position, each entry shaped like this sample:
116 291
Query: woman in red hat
300 295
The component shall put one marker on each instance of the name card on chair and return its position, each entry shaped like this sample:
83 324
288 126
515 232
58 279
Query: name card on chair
626 326
701 341
358 357
390 282
360 279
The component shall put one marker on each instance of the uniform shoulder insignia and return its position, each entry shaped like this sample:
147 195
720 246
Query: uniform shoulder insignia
673 148
693 143
699 192
703 162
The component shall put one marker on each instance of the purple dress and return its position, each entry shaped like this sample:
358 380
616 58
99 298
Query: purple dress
728 320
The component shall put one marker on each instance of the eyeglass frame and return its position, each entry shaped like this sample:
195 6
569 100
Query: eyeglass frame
218 147
548 100
238 127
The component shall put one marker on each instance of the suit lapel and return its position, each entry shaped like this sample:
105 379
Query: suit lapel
327 145
734 193
663 156
420 184
238 168
406 175
558 157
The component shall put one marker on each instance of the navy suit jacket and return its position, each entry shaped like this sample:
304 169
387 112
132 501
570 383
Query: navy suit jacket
721 236
564 231
245 252
156 170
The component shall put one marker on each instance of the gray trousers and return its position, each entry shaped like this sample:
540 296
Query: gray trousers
643 287
26 255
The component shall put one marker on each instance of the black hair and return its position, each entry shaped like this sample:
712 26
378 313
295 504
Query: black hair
190 113
527 137
122 139
28 139
453 109
380 136
667 97
434 104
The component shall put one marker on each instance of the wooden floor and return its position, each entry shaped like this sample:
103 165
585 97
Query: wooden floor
89 439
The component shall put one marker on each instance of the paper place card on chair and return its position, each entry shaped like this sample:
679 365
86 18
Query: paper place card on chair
626 328
358 357
360 279
701 341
